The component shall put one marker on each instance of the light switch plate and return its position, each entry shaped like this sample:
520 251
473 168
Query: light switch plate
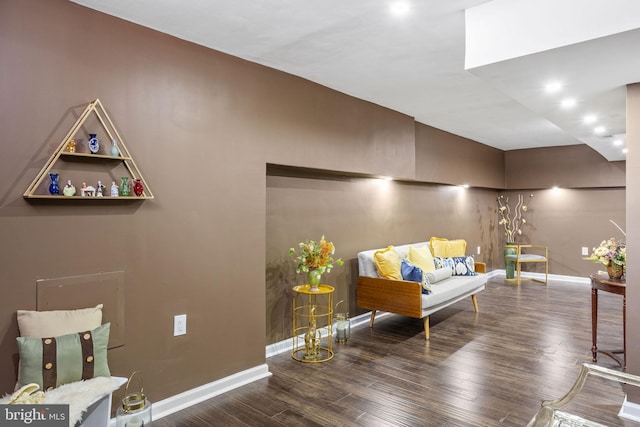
179 325
585 251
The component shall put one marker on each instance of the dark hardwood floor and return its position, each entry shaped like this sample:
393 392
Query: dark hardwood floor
490 368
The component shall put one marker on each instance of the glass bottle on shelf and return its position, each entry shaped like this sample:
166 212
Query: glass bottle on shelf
124 186
114 148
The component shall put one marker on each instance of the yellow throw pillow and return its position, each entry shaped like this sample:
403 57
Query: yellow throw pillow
433 242
388 263
422 258
448 248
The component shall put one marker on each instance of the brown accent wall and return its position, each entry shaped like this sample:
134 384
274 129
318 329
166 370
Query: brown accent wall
358 214
572 166
202 126
566 220
450 159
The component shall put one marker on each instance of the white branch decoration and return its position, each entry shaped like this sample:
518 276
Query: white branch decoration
512 225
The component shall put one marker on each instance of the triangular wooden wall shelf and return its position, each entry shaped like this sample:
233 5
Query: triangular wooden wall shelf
123 157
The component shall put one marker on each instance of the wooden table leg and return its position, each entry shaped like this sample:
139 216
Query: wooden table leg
594 324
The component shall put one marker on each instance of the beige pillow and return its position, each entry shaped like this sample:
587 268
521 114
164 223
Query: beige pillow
422 258
44 324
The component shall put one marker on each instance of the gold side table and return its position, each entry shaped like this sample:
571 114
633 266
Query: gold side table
312 315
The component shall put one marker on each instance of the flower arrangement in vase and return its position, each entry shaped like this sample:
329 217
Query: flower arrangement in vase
315 258
613 254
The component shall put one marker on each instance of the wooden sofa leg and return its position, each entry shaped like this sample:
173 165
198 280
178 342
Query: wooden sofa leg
475 302
427 333
373 317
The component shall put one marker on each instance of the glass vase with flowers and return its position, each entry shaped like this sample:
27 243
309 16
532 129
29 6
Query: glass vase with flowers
315 258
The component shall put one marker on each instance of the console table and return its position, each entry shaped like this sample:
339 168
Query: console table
601 282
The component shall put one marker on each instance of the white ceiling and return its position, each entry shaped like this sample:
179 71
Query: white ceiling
414 64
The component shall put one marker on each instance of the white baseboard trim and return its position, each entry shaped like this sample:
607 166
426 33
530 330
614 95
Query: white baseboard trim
199 394
287 345
540 276
629 410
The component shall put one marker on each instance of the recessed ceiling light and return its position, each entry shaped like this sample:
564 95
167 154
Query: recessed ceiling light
590 119
553 87
568 103
617 142
399 8
624 150
465 185
599 130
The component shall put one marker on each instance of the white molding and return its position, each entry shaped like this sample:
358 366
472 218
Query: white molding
540 276
199 394
629 410
287 345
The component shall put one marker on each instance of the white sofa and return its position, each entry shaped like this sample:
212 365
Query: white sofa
406 298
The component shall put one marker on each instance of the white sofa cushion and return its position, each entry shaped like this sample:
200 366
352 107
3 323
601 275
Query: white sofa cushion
454 288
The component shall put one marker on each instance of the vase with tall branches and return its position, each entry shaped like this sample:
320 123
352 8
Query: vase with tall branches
512 219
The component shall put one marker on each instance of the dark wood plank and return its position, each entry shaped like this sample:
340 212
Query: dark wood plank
490 368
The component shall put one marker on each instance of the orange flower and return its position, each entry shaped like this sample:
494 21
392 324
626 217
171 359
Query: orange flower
315 256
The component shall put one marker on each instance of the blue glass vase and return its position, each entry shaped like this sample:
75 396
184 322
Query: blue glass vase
54 188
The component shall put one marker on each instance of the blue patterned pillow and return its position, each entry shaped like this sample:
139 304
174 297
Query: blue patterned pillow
460 266
414 273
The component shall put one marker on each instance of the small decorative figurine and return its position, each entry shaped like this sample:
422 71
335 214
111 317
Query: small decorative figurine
124 186
87 191
114 148
69 189
94 144
54 188
71 146
99 189
114 189
137 187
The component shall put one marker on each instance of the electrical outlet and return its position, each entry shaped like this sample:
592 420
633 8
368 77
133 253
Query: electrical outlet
585 251
179 325
478 250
